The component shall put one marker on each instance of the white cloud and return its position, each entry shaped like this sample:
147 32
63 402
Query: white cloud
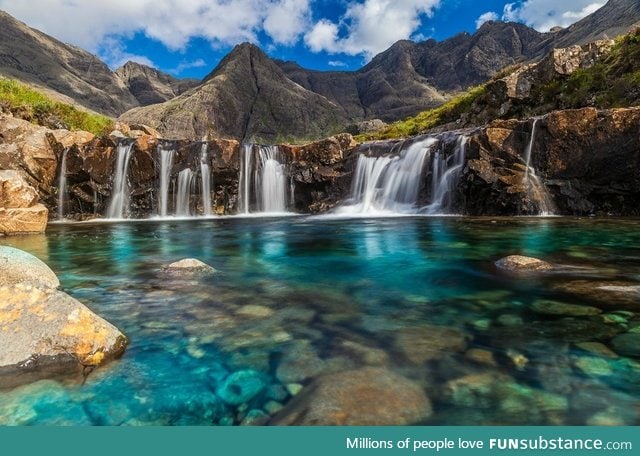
114 54
199 63
370 26
89 24
486 17
337 63
546 14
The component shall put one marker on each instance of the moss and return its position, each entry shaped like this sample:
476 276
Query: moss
36 107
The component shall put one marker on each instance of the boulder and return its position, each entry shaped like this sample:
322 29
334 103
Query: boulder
606 295
188 266
44 332
370 396
519 263
19 208
17 267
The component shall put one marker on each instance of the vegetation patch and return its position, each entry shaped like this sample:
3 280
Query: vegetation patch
26 103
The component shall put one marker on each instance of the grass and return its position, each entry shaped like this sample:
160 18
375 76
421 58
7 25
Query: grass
448 112
31 105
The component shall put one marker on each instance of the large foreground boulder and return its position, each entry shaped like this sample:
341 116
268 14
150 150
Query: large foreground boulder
43 331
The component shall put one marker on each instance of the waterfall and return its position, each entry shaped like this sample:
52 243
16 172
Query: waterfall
389 184
271 180
166 164
119 204
205 175
443 184
183 196
244 184
532 183
269 183
62 185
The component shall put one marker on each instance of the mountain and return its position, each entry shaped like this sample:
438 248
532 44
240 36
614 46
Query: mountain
615 18
38 59
150 86
248 97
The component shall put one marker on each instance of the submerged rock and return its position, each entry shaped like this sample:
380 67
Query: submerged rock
606 295
17 266
425 343
519 263
188 267
627 344
365 397
241 387
548 307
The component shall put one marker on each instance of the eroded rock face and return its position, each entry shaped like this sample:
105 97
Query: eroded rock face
366 397
20 211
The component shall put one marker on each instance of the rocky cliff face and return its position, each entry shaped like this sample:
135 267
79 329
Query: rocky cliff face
36 58
247 97
150 86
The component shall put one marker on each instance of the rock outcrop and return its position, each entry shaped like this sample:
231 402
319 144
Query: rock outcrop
150 86
43 331
20 211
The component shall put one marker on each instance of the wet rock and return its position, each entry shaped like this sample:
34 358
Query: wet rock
255 311
609 417
300 363
606 295
598 349
294 388
510 320
19 208
424 343
240 387
255 418
364 397
368 355
45 331
17 266
593 367
189 267
481 356
519 263
549 307
627 344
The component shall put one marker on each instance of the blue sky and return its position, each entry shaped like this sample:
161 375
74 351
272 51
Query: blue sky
187 38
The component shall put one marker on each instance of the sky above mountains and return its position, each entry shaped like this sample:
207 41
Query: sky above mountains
187 38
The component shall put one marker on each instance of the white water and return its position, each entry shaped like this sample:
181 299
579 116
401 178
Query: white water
62 185
183 196
264 178
383 185
119 204
533 185
444 183
205 175
166 163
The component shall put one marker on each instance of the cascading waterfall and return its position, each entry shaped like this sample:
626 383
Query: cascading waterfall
183 196
271 180
205 175
389 184
166 163
62 185
265 178
443 184
534 186
119 204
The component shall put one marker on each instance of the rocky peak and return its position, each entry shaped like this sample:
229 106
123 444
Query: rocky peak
150 85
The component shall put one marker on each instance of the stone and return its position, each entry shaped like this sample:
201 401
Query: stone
43 330
597 348
255 311
369 396
17 266
627 344
549 307
606 295
519 263
189 266
15 192
481 356
299 363
240 387
255 418
424 343
23 221
593 367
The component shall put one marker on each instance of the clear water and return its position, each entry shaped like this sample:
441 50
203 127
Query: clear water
320 283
